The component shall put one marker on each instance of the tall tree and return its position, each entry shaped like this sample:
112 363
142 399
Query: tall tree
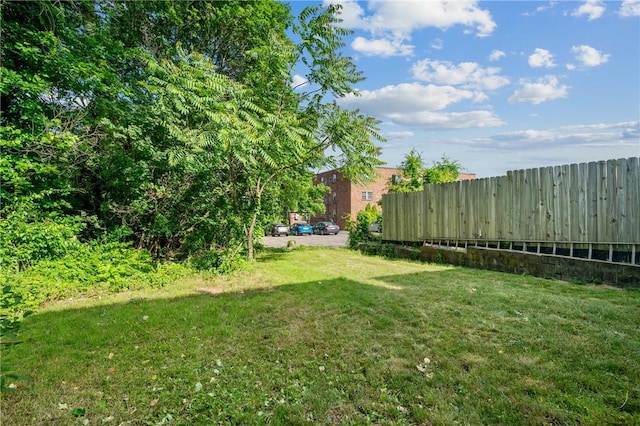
412 168
269 143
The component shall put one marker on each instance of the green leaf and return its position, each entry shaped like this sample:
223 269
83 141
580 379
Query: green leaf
79 412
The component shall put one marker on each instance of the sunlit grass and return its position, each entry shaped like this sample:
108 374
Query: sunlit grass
329 336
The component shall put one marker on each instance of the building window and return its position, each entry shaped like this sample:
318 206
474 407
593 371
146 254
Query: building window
333 196
395 179
334 178
322 179
367 195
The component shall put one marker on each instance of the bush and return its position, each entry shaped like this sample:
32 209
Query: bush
24 241
218 261
88 269
359 232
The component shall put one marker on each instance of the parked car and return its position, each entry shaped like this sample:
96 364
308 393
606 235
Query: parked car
301 228
278 229
375 227
324 228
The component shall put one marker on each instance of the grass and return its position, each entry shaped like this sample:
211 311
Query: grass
329 336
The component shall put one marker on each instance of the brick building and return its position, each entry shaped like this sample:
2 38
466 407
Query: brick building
347 198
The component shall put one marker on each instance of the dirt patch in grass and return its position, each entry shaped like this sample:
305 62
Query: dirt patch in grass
211 290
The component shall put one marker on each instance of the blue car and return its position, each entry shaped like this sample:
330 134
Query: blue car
301 228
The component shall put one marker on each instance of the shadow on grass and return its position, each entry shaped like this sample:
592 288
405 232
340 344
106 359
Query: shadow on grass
452 346
271 253
114 359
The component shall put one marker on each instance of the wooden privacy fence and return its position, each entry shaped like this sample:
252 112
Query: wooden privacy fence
589 203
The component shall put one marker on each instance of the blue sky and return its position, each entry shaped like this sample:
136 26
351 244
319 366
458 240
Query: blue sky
498 85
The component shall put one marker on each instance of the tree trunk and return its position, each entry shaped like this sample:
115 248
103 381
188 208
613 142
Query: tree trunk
250 232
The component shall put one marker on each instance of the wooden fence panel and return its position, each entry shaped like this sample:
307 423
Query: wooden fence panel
588 202
546 218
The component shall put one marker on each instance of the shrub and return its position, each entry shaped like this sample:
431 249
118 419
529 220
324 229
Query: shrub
25 241
359 232
88 269
218 261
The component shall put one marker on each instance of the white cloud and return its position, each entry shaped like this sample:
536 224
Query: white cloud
407 97
447 120
529 148
542 8
594 9
496 55
298 81
381 47
588 56
466 74
397 135
629 8
415 105
547 6
437 44
541 58
628 129
544 89
391 23
524 136
351 13
586 136
620 135
408 16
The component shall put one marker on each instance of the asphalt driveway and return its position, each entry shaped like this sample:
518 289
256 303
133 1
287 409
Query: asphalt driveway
339 240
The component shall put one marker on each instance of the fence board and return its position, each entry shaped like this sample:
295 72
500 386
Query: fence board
547 218
492 188
581 214
612 203
572 188
566 204
601 201
633 199
592 201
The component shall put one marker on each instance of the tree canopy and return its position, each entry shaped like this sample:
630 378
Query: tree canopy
414 174
173 125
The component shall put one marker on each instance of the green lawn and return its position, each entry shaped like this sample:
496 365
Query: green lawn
329 336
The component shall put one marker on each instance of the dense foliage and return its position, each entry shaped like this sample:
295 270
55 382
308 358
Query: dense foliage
415 175
173 126
359 230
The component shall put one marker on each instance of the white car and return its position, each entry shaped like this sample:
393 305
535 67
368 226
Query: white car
278 229
374 227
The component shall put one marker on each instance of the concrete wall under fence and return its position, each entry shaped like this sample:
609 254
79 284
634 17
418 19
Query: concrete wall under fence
516 262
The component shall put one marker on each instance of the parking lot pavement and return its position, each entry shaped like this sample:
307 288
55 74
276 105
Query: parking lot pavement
339 240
